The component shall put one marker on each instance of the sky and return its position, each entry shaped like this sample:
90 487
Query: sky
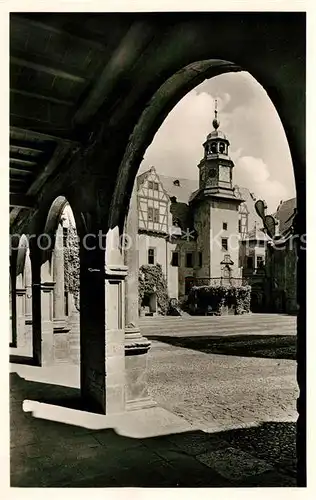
258 145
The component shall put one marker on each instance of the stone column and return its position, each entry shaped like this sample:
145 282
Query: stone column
11 336
102 321
42 313
59 279
61 327
20 317
28 301
136 346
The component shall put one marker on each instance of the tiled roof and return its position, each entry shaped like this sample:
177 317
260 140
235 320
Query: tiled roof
181 192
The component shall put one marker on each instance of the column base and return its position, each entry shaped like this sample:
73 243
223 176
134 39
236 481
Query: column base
136 385
135 343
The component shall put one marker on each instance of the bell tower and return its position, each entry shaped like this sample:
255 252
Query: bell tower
215 207
216 166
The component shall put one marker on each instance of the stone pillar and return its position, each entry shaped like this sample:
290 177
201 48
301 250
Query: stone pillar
42 313
61 327
11 314
59 279
102 323
28 300
136 346
20 317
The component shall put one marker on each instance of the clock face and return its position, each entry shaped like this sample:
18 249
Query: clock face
224 173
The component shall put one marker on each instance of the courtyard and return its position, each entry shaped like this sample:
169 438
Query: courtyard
225 391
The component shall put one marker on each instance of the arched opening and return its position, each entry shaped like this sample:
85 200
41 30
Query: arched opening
156 194
56 304
20 298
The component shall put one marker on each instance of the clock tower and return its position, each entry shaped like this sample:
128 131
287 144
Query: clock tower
216 166
216 208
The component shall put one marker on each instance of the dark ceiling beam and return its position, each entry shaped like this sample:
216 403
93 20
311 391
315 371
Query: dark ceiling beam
23 162
42 97
33 135
21 200
27 151
14 214
125 56
39 64
87 42
22 171
17 179
61 151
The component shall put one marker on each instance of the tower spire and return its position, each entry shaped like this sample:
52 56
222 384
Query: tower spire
215 121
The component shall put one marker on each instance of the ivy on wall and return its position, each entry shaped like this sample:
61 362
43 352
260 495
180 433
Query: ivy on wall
72 265
212 298
152 280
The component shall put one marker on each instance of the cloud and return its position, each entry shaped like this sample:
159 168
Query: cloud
258 144
254 174
177 147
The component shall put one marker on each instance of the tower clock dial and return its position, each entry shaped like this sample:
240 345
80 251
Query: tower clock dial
213 172
224 173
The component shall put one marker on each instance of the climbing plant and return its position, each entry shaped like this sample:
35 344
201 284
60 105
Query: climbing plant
215 298
72 265
152 280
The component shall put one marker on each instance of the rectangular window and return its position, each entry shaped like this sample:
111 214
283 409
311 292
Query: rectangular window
239 226
66 304
200 259
175 259
225 226
150 185
156 186
224 244
151 256
150 214
156 214
189 259
249 262
261 243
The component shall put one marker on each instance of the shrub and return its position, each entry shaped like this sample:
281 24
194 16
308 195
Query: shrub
72 265
151 280
215 297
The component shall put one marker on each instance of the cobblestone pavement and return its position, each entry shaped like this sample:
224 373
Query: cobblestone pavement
225 414
230 373
198 370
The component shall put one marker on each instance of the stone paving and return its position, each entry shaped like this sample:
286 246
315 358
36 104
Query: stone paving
54 443
198 370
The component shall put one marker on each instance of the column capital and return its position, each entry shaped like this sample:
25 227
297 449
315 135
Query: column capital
47 286
115 270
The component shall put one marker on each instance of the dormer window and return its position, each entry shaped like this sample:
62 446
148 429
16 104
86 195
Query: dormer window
176 182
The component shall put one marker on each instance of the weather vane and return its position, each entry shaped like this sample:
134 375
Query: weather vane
215 121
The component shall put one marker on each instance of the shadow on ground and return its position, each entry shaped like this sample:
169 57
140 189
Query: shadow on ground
258 346
47 453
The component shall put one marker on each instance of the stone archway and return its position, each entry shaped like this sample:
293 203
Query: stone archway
282 96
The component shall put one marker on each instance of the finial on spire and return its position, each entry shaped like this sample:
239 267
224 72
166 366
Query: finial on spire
215 121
